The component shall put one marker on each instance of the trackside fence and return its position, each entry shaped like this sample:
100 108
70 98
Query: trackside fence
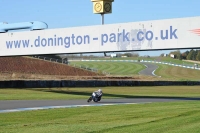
157 62
63 61
90 69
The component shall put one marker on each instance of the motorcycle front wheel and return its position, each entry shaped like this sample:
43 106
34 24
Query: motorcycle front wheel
89 100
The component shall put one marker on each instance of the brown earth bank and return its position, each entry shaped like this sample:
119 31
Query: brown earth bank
31 66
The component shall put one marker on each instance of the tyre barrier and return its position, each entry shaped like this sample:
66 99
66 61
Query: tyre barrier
89 83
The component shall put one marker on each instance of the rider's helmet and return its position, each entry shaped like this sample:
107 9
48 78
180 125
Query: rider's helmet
100 90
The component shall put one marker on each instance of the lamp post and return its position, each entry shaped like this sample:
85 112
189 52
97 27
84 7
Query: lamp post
102 19
102 7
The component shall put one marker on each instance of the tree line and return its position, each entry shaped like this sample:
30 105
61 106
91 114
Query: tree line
187 55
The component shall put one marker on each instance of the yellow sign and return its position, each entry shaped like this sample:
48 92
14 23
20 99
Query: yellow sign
102 6
98 7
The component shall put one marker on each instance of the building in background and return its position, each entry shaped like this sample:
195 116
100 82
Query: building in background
113 55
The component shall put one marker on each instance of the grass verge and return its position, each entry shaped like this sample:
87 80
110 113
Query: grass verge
114 68
178 117
177 73
176 61
109 92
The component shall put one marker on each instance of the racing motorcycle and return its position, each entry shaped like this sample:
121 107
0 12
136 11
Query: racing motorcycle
95 97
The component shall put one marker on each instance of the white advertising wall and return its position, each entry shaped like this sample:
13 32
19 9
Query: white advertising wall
147 35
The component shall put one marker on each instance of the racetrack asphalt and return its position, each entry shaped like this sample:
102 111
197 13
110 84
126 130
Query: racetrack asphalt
150 69
23 105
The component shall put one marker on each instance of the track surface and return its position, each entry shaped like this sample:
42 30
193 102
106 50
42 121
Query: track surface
16 104
150 68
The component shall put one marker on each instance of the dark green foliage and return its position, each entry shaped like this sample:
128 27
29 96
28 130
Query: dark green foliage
198 56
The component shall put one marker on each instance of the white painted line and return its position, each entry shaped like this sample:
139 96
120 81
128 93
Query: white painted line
67 106
154 71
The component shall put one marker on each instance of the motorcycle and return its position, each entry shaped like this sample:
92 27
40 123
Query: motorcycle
94 98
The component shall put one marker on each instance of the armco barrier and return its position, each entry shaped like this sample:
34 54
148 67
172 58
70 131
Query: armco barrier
90 83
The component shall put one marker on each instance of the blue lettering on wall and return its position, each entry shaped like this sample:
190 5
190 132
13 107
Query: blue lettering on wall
120 36
173 33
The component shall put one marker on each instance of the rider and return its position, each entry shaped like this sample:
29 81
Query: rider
99 94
